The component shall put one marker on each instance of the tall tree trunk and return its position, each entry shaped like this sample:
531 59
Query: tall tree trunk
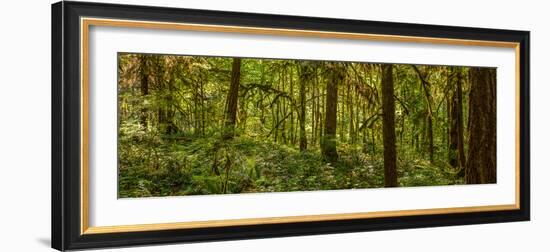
460 124
328 146
322 116
196 114
203 119
481 164
429 119
170 107
232 100
275 120
365 130
144 87
306 74
340 110
292 128
357 114
283 110
388 108
451 132
314 91
430 137
159 74
456 141
351 137
373 140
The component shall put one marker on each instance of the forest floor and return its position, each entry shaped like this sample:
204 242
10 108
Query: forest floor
186 165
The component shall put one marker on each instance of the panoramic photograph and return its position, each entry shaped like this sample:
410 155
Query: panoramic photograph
202 125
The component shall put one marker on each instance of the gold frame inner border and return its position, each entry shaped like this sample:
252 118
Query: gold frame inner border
85 24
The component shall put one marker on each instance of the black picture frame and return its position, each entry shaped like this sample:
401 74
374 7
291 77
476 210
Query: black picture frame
66 125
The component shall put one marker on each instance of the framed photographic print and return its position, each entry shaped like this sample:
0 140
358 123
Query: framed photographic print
180 125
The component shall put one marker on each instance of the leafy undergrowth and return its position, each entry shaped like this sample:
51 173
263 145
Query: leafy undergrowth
185 165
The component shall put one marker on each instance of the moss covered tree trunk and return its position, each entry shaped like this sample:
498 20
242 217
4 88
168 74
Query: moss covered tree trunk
232 100
481 164
306 74
460 124
426 86
456 129
388 108
144 87
328 145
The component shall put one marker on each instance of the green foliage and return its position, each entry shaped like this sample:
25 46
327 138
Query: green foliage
189 165
172 112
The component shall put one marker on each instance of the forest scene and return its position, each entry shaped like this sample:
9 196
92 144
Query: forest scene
198 125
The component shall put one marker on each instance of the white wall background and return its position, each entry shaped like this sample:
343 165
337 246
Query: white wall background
25 125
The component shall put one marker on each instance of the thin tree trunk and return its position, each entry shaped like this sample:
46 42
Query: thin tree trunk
340 110
431 138
351 115
357 116
172 128
196 116
162 123
275 120
322 117
203 119
429 118
292 132
313 110
373 147
144 87
305 76
364 129
460 123
283 110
